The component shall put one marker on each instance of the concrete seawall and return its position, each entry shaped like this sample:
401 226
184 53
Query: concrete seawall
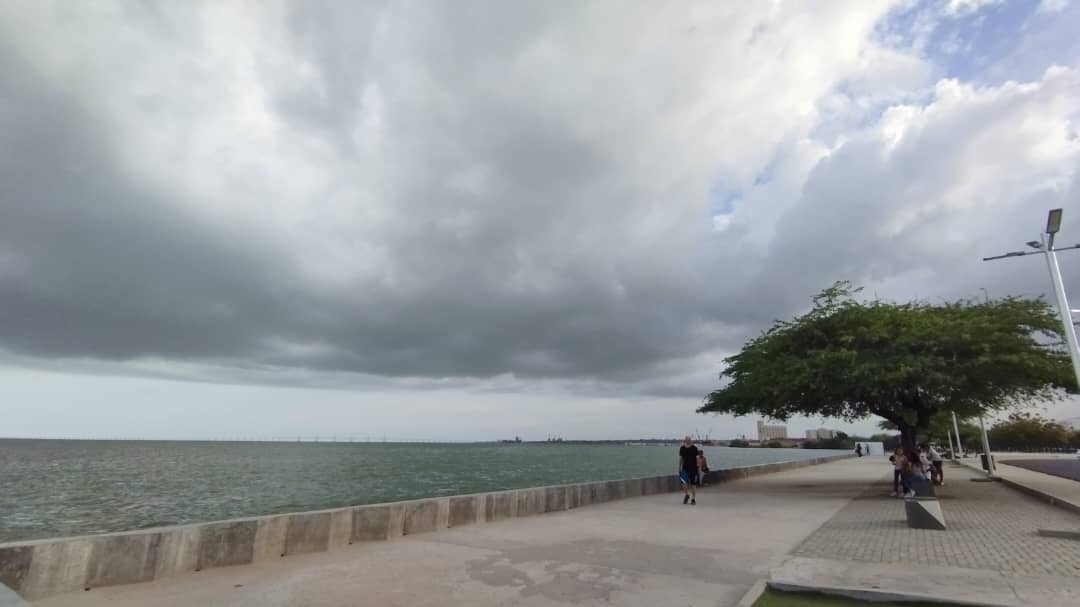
42 568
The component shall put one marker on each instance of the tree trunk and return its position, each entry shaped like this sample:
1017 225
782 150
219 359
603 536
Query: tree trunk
908 438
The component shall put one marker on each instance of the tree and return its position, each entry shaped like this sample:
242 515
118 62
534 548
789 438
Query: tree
1028 431
775 444
738 443
904 363
940 427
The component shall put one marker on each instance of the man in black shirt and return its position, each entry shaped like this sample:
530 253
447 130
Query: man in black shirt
688 469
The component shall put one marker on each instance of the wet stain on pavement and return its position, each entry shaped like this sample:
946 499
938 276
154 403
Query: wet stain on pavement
591 570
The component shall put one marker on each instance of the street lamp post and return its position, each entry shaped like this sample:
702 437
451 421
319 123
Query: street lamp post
1059 290
956 430
1045 245
991 469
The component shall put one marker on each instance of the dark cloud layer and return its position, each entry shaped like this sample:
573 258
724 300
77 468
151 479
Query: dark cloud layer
468 191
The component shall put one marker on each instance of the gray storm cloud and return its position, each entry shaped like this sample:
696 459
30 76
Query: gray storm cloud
580 193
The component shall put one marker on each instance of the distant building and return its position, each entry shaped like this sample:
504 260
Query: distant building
820 434
766 432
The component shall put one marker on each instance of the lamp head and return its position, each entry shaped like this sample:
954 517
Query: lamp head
1053 221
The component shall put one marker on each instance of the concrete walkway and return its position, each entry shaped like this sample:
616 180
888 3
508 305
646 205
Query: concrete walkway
991 553
929 583
643 551
1057 490
1059 467
828 526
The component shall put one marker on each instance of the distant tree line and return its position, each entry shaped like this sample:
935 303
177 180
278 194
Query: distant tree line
1021 431
1031 432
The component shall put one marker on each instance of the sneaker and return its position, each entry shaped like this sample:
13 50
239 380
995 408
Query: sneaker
693 502
893 494
909 494
685 499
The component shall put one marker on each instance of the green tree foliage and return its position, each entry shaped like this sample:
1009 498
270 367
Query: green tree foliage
739 443
905 363
1026 431
775 444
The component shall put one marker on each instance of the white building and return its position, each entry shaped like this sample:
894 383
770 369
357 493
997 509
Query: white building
766 432
820 434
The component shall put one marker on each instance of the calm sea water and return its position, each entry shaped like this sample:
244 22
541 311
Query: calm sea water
60 488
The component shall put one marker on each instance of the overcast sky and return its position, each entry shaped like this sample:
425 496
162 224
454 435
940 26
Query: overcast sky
474 220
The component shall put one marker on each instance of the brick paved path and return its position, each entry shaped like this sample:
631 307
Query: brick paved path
990 526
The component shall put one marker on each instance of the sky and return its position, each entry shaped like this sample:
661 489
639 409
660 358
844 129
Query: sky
481 219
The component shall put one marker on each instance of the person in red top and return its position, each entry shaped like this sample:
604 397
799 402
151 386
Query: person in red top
902 467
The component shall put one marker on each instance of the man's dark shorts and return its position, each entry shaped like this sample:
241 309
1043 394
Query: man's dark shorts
689 477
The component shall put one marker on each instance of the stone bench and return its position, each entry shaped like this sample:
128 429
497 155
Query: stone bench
924 513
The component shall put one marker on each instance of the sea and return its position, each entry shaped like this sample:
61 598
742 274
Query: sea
59 488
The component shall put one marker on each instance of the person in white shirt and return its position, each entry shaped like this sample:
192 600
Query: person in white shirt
937 469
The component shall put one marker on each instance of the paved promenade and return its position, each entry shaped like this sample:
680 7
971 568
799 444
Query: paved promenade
990 553
643 551
990 527
1063 491
831 525
1061 467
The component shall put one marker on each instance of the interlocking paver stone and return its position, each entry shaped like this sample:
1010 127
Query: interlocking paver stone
990 526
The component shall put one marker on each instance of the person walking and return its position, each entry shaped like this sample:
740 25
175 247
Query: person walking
900 470
858 449
703 467
688 470
937 463
916 470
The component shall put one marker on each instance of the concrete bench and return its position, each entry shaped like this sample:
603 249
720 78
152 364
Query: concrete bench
924 513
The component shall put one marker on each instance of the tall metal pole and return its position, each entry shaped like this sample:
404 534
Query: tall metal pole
991 469
1062 304
948 435
956 429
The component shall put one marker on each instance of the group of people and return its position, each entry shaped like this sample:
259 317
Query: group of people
910 468
692 469
913 467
